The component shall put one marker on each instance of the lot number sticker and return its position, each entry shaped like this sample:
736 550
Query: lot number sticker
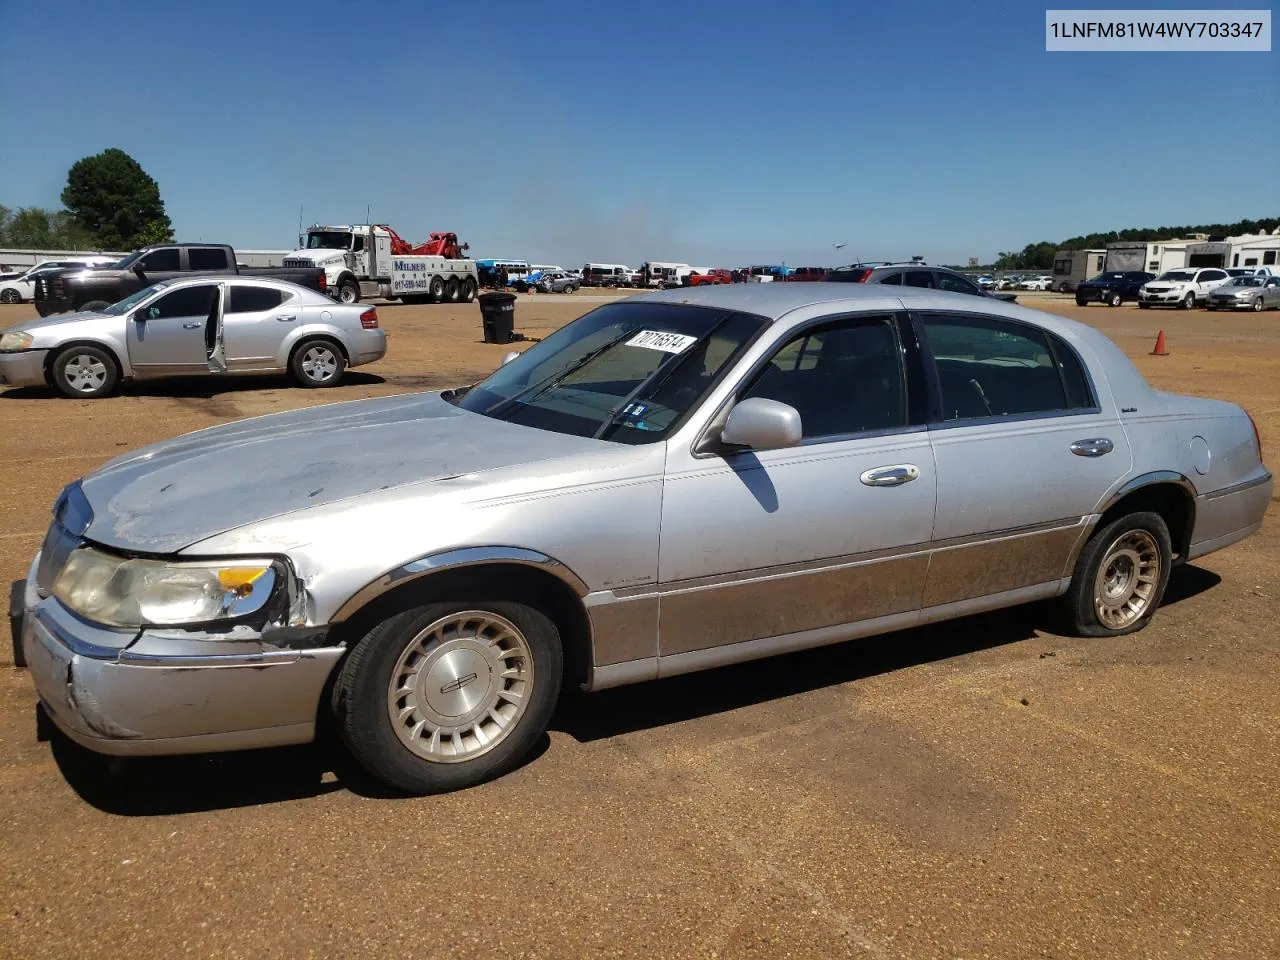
666 342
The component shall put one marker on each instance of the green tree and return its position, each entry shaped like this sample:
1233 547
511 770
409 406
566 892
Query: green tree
154 231
40 229
112 197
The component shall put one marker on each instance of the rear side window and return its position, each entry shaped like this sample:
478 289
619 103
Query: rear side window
918 278
156 260
254 299
894 279
994 368
207 258
948 281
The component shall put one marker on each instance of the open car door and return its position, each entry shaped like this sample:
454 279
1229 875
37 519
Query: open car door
214 344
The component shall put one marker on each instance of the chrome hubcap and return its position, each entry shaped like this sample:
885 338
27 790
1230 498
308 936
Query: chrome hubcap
1127 579
319 364
460 686
85 373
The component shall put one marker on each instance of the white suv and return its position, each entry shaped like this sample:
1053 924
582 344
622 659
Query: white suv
1181 288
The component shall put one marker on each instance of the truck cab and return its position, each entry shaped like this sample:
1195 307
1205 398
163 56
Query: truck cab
356 259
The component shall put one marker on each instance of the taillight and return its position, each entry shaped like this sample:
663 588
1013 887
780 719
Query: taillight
1257 437
369 319
324 283
866 275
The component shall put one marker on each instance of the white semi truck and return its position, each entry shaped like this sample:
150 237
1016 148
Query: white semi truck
371 260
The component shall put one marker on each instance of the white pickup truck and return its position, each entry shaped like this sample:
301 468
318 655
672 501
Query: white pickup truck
1181 288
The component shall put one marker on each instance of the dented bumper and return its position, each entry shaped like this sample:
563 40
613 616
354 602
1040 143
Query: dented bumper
162 694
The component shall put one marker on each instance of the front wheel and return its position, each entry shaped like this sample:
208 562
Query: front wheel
1120 576
449 695
348 292
85 372
10 296
1257 304
1114 299
1143 306
1188 302
317 363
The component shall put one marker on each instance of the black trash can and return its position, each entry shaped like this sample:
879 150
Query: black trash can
498 311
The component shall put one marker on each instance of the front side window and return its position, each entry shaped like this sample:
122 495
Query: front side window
626 372
994 368
843 378
195 301
207 258
158 260
1211 275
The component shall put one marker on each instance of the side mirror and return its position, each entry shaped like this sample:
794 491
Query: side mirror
511 355
762 424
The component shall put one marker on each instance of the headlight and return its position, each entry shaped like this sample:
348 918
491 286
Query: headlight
11 342
125 592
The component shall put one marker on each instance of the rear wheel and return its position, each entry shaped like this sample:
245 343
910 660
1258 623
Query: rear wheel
10 296
317 363
468 290
448 695
452 290
436 290
1120 576
85 372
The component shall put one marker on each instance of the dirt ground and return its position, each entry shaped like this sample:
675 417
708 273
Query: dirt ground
981 788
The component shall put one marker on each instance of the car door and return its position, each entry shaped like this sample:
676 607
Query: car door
1271 292
162 264
168 335
1209 280
832 531
257 318
1026 447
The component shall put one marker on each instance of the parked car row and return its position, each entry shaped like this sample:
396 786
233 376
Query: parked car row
20 286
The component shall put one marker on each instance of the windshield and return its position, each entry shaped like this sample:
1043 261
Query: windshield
626 372
325 240
1177 275
1245 282
131 301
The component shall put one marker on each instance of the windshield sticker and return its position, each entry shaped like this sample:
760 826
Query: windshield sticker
666 342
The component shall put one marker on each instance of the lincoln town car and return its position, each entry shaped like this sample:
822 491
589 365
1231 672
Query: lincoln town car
672 482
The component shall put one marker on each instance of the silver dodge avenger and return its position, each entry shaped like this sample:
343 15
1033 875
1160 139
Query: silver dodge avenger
670 483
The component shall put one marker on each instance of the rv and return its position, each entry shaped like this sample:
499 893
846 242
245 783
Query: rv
1125 257
1072 267
655 273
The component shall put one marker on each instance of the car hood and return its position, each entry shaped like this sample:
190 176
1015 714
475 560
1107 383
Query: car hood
50 322
167 496
317 255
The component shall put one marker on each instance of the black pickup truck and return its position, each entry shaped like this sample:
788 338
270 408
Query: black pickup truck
79 289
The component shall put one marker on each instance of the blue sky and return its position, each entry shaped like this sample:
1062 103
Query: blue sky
714 133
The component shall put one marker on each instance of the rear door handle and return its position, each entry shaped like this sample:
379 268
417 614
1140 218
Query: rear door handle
893 476
1093 447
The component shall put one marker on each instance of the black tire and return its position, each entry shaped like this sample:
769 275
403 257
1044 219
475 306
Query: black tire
1081 303
93 306
452 290
1257 304
10 296
317 362
84 372
435 292
361 699
1081 609
468 290
348 292
1114 299
1188 302
1143 306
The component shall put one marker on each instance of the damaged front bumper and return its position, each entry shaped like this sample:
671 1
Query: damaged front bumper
169 692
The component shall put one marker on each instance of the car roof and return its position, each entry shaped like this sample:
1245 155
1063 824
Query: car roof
176 283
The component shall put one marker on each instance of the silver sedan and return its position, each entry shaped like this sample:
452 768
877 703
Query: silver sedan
210 325
1256 293
672 482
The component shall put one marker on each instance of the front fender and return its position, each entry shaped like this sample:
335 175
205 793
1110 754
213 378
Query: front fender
109 335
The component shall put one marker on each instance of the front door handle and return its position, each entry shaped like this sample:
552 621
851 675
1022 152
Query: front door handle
1093 447
893 476
196 325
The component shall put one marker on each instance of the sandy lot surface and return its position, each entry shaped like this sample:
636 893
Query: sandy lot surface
981 788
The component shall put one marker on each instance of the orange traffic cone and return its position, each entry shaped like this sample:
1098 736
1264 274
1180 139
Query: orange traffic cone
1160 351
